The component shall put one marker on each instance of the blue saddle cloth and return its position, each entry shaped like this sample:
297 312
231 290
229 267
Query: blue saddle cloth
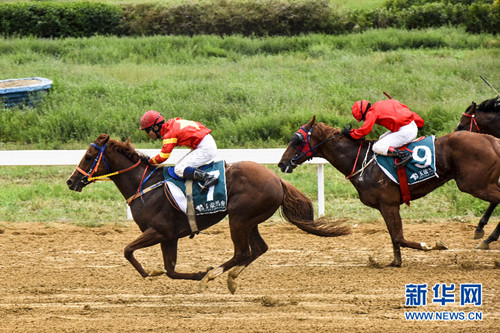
212 201
421 168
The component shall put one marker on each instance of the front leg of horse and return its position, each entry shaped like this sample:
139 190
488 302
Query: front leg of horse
148 238
169 250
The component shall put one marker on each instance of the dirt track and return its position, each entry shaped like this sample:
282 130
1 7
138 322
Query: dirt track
62 278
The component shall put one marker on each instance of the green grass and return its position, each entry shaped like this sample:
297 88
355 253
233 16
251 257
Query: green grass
253 92
39 194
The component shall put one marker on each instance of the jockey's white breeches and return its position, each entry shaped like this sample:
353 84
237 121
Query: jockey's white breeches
201 155
405 135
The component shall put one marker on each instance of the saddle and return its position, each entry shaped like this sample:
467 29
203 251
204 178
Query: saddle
421 168
177 190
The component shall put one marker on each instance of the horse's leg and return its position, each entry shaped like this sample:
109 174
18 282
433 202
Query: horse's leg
148 238
169 250
394 224
239 236
258 246
479 232
485 244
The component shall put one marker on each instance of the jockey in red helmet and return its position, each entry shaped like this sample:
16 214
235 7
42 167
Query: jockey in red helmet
402 124
181 132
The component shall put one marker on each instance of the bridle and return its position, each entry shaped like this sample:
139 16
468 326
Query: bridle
301 140
87 176
472 121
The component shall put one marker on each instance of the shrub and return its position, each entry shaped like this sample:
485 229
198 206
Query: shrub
79 19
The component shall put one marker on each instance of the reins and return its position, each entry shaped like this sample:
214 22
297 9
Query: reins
95 165
364 165
308 151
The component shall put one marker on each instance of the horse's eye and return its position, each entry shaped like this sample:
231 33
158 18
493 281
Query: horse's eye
297 140
88 157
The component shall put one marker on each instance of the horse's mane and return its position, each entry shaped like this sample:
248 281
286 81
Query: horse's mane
126 149
489 105
327 131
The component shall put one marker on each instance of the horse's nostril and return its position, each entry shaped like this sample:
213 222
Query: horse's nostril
69 182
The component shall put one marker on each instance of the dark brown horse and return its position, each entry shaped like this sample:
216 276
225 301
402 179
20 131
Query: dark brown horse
254 194
483 118
473 160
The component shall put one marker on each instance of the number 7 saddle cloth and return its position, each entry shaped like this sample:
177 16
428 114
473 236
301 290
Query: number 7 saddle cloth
212 201
421 168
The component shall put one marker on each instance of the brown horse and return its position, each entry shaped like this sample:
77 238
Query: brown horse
254 194
483 118
473 160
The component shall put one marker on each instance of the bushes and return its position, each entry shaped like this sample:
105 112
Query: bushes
243 17
59 19
225 17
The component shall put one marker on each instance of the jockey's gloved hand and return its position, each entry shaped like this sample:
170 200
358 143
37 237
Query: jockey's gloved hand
145 159
346 131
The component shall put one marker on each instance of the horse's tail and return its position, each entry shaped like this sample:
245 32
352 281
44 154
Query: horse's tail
298 209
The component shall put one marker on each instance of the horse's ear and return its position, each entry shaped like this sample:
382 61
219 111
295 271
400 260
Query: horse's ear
311 122
102 139
471 108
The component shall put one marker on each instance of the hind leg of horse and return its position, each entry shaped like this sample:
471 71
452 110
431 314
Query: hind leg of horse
394 224
148 238
169 250
240 238
259 247
485 244
479 232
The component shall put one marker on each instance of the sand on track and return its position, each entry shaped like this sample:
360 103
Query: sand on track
58 277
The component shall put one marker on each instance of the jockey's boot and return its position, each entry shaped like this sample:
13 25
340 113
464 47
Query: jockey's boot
403 156
207 179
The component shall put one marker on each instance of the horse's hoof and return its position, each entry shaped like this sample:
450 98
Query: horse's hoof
212 274
478 234
395 263
157 271
440 246
231 285
483 246
202 287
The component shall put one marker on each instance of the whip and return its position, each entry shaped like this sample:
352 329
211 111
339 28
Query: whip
490 85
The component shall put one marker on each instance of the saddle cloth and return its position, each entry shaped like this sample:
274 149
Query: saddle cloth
421 168
212 201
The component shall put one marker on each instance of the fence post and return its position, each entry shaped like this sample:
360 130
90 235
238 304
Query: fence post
321 190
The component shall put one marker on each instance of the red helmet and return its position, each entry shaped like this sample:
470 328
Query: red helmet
359 109
151 118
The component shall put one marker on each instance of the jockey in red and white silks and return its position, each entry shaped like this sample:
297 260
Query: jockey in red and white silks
181 132
401 122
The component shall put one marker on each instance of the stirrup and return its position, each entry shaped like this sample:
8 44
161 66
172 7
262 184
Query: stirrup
208 183
403 161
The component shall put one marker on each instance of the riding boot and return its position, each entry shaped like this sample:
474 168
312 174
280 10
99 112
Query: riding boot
403 156
207 179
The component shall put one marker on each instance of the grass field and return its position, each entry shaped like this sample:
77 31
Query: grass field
40 194
253 92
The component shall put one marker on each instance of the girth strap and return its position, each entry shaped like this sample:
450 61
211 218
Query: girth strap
190 208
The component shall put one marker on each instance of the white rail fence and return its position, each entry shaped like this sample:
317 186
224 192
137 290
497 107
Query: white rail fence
73 157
